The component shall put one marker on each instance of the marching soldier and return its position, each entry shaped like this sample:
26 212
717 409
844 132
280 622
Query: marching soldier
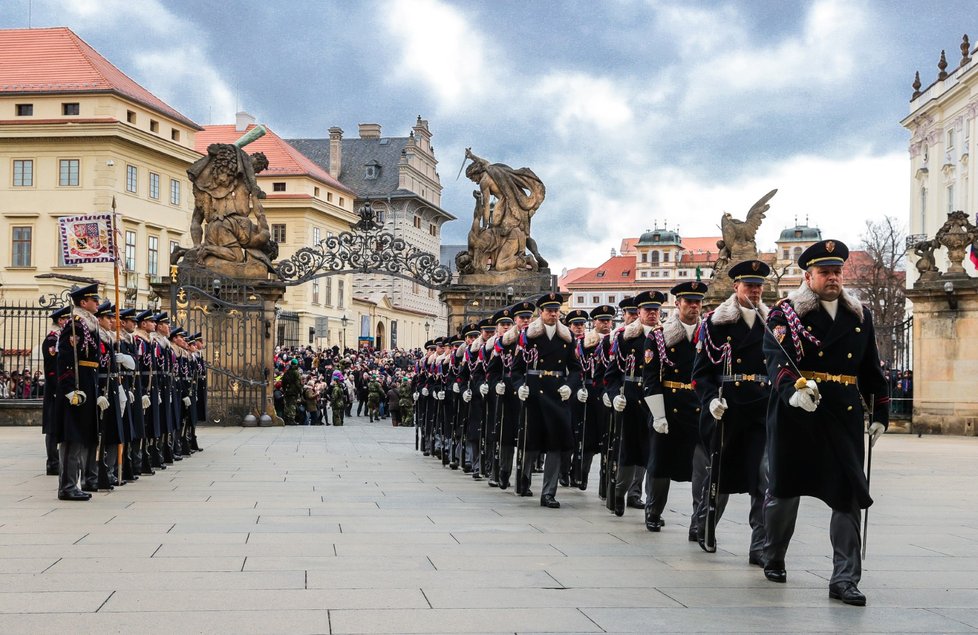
150 380
374 394
505 370
670 352
338 399
461 374
576 321
730 363
552 374
633 496
822 357
405 401
594 362
477 396
499 360
623 386
76 413
49 347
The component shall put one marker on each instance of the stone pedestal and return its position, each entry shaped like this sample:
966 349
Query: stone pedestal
481 294
237 319
945 355
721 286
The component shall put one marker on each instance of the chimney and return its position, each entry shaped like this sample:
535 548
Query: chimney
242 120
370 131
335 151
613 252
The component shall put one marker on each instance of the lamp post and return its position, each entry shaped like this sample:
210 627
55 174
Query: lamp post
344 321
427 328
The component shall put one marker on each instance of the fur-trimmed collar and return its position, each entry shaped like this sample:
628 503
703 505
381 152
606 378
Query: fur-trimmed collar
536 329
592 338
491 342
673 330
143 335
510 336
633 330
477 344
85 318
106 335
729 311
804 300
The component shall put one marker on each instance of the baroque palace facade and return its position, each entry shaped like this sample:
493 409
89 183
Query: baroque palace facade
76 132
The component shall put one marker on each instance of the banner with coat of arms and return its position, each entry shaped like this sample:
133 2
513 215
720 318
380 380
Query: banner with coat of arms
86 239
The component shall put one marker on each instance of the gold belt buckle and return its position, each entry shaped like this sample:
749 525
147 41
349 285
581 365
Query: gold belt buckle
749 377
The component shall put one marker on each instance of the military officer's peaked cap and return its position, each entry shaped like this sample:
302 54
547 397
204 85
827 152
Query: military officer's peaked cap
88 291
177 332
824 253
105 309
429 344
523 309
649 299
127 314
163 318
551 300
603 312
503 316
197 336
57 314
750 271
458 338
472 328
577 316
190 338
438 341
146 315
487 324
628 304
693 290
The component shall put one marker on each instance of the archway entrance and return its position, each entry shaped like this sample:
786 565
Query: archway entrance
380 340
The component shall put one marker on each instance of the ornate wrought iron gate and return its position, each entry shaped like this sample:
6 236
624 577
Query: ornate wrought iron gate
235 324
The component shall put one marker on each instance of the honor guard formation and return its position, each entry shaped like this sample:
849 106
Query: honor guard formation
122 398
747 399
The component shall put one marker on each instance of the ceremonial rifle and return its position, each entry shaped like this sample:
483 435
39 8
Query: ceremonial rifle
869 470
614 454
521 434
708 542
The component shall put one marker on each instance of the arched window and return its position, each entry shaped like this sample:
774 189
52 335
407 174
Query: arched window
654 257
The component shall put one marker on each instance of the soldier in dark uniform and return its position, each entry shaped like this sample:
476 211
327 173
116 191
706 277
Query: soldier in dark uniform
815 425
623 386
200 345
460 386
49 349
629 314
477 397
76 413
594 363
576 321
100 466
505 370
133 413
670 352
552 373
498 363
730 362
168 403
150 359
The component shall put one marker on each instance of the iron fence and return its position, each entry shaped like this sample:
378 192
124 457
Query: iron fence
23 327
896 352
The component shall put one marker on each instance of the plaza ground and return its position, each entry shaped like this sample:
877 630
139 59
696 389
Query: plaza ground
349 530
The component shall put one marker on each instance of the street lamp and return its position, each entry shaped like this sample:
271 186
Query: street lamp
344 321
427 328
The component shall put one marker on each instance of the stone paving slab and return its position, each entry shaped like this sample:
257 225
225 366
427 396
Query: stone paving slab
348 530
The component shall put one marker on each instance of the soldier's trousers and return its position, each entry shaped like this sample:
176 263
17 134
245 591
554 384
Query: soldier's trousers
755 516
338 416
51 445
473 453
71 456
551 470
628 476
658 489
91 465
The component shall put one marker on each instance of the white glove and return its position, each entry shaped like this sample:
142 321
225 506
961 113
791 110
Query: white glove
123 399
456 389
467 396
415 395
804 398
523 392
605 400
500 388
661 426
582 395
146 402
717 408
619 403
132 397
441 395
564 392
102 403
876 430
424 392
76 397
186 401
126 361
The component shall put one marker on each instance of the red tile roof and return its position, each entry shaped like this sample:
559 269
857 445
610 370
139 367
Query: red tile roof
571 276
55 60
283 159
627 246
701 243
609 273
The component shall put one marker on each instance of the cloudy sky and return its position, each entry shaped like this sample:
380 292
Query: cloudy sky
634 113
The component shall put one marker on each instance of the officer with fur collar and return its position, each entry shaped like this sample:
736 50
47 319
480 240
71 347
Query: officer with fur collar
49 348
594 363
669 355
815 424
623 386
475 396
505 370
552 373
729 357
576 321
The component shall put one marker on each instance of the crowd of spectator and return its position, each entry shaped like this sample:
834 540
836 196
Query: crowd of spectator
21 384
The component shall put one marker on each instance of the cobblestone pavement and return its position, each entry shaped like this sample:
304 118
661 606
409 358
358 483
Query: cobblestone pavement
349 530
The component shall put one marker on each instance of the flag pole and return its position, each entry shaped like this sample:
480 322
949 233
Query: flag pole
115 274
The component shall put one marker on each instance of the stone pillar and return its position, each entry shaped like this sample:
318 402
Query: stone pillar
945 355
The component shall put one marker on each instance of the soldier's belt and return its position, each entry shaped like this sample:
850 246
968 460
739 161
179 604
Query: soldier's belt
86 364
677 385
546 373
763 379
846 380
634 380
